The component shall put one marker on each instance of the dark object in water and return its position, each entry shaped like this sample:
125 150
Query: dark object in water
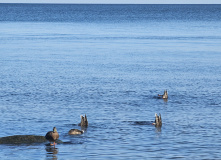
157 123
22 139
164 96
76 131
158 120
141 122
52 136
84 122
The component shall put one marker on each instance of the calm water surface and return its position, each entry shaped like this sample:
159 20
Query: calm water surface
58 62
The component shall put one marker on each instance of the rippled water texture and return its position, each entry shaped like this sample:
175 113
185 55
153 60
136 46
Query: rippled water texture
58 62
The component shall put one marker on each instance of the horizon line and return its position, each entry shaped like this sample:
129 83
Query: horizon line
115 3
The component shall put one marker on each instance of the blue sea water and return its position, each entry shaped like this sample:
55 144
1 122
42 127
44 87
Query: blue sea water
58 62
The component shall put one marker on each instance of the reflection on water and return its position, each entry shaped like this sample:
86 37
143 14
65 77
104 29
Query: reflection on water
84 128
52 152
158 130
165 100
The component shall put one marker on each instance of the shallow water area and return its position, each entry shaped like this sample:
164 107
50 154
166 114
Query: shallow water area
110 62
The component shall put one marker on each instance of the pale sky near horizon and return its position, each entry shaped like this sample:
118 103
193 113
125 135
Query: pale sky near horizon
117 1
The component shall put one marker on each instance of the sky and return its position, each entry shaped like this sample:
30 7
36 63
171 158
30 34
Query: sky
117 1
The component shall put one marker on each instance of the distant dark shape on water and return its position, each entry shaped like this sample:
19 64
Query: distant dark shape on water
141 122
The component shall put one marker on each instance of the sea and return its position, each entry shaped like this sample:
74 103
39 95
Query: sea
110 62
